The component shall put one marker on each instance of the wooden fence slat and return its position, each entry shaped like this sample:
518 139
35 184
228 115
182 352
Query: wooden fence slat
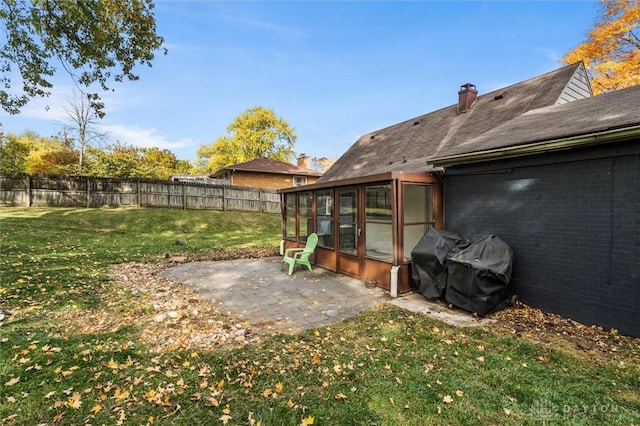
82 191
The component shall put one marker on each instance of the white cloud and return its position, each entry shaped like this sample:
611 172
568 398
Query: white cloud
270 27
143 137
51 107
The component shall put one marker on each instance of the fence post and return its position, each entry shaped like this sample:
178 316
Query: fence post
88 192
184 198
28 190
138 192
224 198
260 201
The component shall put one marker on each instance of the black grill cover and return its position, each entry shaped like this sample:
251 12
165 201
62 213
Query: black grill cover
479 276
428 260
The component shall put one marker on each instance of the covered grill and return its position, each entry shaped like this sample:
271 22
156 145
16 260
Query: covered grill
472 276
428 259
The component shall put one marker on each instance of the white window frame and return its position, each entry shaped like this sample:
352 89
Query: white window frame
299 180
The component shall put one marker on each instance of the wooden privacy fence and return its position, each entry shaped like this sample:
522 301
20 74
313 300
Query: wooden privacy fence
82 191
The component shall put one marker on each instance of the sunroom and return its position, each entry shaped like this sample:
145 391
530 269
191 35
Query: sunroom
366 226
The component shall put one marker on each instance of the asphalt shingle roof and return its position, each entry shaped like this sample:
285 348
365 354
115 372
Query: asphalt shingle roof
609 111
406 146
268 165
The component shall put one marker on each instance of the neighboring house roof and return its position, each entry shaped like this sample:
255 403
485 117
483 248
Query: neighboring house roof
406 146
267 165
198 179
604 118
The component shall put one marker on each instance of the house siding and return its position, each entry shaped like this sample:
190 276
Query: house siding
577 88
573 221
266 180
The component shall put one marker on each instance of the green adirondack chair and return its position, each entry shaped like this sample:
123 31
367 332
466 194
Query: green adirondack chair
300 256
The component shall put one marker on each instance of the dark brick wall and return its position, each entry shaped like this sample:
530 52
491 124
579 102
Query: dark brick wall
573 221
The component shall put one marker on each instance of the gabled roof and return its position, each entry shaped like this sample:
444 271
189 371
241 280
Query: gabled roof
406 146
604 118
268 165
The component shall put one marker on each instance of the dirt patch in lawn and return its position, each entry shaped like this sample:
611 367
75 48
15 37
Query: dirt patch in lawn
169 316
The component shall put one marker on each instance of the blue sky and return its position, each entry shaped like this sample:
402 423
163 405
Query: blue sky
333 70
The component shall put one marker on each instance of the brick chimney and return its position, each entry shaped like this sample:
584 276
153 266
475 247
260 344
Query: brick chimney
466 97
303 161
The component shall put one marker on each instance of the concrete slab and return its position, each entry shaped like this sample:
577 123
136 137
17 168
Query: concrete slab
257 291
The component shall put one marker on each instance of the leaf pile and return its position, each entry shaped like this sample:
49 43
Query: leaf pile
231 254
552 329
168 315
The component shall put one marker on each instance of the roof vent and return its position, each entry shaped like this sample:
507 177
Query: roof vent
466 97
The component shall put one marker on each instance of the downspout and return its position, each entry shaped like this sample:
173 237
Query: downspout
395 267
394 280
282 223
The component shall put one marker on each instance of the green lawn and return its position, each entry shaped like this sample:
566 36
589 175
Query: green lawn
383 367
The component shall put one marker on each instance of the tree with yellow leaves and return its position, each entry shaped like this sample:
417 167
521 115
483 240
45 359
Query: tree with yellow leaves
256 133
611 52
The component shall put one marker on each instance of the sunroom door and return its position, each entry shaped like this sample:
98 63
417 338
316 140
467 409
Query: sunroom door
349 232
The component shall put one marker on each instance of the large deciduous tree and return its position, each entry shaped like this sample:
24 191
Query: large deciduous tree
82 123
127 161
13 154
611 52
97 42
255 133
32 153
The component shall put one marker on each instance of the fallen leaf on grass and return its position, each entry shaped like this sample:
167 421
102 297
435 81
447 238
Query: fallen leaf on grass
12 381
447 399
309 420
341 396
96 409
213 402
459 393
120 395
225 418
74 403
